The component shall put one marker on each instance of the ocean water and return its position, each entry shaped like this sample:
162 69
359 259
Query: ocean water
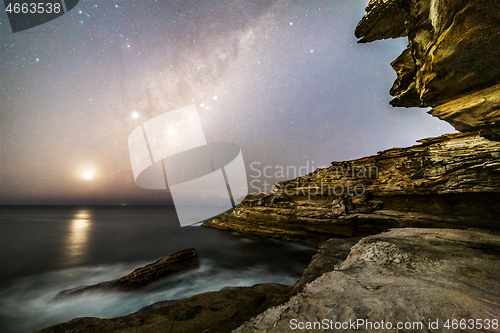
44 250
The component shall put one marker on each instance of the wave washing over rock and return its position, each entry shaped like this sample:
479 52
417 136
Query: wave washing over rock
140 277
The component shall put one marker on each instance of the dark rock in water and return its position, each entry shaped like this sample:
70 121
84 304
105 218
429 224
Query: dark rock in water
215 312
405 275
452 62
163 267
140 277
452 181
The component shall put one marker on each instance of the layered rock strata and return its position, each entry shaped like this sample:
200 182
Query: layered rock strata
452 181
423 278
140 277
452 61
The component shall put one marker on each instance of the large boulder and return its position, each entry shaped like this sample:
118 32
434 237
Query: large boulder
417 277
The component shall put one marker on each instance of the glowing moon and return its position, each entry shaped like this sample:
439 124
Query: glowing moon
88 175
135 115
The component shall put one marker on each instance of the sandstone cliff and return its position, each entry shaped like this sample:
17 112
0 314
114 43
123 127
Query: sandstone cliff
452 62
449 181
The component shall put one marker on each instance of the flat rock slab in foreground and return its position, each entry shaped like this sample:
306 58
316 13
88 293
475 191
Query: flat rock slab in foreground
140 277
403 275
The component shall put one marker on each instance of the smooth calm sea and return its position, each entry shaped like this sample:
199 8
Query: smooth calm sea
47 249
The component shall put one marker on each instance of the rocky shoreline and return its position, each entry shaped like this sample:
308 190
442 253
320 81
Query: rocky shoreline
424 277
413 275
424 226
217 312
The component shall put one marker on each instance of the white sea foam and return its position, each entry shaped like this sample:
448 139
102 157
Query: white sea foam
26 303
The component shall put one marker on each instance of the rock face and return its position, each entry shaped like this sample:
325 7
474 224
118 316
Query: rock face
452 181
415 276
330 254
140 277
216 312
475 111
453 52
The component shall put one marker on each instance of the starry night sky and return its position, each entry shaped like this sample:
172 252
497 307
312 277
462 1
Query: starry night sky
293 88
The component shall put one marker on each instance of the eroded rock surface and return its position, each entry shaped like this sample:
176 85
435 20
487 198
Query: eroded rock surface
140 277
403 275
452 181
477 111
453 51
330 254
